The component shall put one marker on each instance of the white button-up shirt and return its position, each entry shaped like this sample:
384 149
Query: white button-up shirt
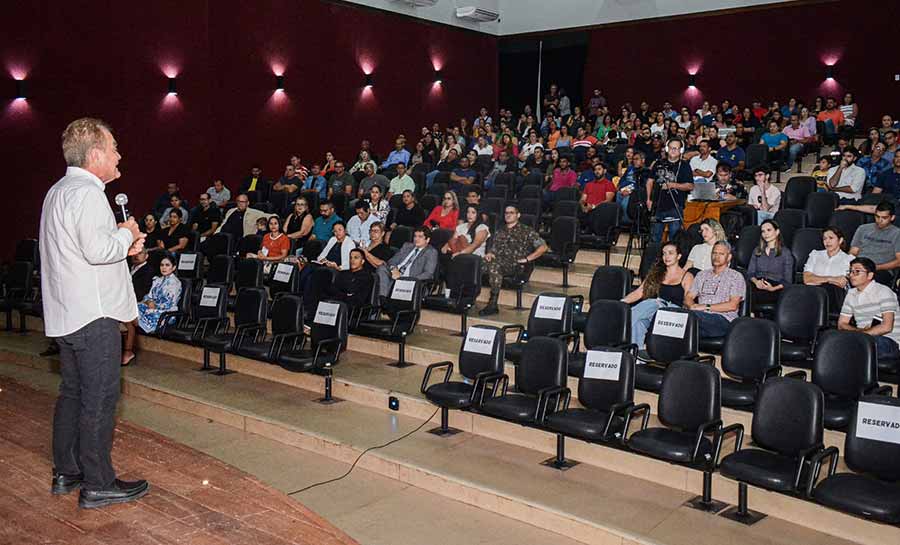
84 272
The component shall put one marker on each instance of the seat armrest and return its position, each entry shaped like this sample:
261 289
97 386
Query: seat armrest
543 401
738 430
629 415
805 456
514 327
337 341
397 316
878 390
479 384
242 330
577 302
706 359
713 426
495 380
831 454
772 373
801 375
615 410
568 247
163 323
447 365
279 340
359 312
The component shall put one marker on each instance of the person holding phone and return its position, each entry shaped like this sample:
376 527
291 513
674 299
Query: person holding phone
771 265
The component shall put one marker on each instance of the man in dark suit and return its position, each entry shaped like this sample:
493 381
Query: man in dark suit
417 260
141 275
255 185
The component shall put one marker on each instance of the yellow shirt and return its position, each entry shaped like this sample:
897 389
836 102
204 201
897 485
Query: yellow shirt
253 184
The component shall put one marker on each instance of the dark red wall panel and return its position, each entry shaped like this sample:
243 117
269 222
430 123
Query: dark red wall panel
772 54
111 60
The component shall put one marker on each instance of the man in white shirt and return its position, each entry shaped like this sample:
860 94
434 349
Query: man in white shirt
401 182
763 196
87 292
704 165
358 226
873 309
847 179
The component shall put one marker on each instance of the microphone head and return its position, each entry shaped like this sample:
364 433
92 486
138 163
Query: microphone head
121 199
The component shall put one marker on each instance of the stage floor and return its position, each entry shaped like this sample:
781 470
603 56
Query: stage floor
194 498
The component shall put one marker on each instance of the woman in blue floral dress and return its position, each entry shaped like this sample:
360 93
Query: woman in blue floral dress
163 297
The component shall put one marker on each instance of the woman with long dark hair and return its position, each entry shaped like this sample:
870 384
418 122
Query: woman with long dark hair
664 286
771 265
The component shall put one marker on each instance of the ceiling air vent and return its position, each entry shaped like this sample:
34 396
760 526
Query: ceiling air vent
473 13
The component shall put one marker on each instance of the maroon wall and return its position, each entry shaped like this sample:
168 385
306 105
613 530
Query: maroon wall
771 53
110 60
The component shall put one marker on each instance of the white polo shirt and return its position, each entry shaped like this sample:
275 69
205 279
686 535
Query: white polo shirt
871 304
853 177
84 273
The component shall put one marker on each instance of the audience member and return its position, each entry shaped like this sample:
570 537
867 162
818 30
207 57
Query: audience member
378 205
163 296
316 182
255 186
771 265
341 182
289 183
598 191
727 187
401 182
398 156
336 253
512 247
352 286
275 244
664 286
377 252
219 194
299 223
362 163
164 200
798 138
205 219
175 237
703 166
323 227
141 274
444 215
874 163
716 294
153 231
879 242
871 308
777 143
416 260
700 256
372 180
847 179
358 226
764 196
462 176
562 177
829 268
409 214
175 203
470 235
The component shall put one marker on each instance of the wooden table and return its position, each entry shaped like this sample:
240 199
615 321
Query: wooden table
697 211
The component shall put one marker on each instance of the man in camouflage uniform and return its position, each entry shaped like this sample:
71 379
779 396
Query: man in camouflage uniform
516 244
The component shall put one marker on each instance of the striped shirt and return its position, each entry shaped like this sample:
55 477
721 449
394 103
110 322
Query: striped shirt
871 304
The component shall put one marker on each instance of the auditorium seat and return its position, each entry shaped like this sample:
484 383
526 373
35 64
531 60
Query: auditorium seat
787 431
604 228
480 357
327 340
550 316
666 347
606 396
689 409
402 309
208 316
286 326
749 358
462 285
540 379
871 451
563 246
608 283
608 326
250 310
801 313
17 289
845 368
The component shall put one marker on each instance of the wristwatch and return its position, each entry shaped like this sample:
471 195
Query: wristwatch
707 307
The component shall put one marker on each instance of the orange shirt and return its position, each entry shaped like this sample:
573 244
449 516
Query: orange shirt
836 116
281 245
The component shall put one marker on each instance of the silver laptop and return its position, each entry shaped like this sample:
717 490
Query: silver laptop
704 191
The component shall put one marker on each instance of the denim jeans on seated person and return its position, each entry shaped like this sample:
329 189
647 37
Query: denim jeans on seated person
886 348
642 316
712 324
656 230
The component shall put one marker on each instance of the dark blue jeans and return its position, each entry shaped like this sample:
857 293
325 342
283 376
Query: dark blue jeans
886 348
84 420
712 325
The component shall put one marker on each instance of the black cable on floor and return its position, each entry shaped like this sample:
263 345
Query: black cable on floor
363 453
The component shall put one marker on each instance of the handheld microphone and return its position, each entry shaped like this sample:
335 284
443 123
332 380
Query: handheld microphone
122 200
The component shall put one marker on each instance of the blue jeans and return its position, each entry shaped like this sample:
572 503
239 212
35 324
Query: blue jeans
622 201
656 230
429 178
642 316
712 325
793 152
762 215
886 348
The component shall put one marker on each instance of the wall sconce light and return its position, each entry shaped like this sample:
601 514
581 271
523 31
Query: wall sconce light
21 93
370 81
829 73
692 80
438 76
173 86
279 83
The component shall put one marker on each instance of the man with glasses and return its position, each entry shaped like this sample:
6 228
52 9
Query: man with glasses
205 218
716 294
340 181
668 185
879 242
847 179
871 308
416 260
511 247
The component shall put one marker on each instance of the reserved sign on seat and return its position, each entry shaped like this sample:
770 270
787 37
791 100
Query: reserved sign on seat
210 296
403 290
878 422
283 272
550 308
326 313
480 340
670 324
601 365
187 262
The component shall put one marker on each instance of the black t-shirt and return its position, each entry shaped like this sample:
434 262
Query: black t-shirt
205 218
666 201
382 252
235 224
410 218
171 240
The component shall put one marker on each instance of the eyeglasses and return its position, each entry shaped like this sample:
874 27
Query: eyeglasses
858 271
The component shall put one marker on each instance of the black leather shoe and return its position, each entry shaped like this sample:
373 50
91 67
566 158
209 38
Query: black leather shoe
119 492
51 350
63 484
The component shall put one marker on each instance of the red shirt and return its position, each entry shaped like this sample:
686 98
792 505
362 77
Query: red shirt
563 178
276 247
596 191
436 220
